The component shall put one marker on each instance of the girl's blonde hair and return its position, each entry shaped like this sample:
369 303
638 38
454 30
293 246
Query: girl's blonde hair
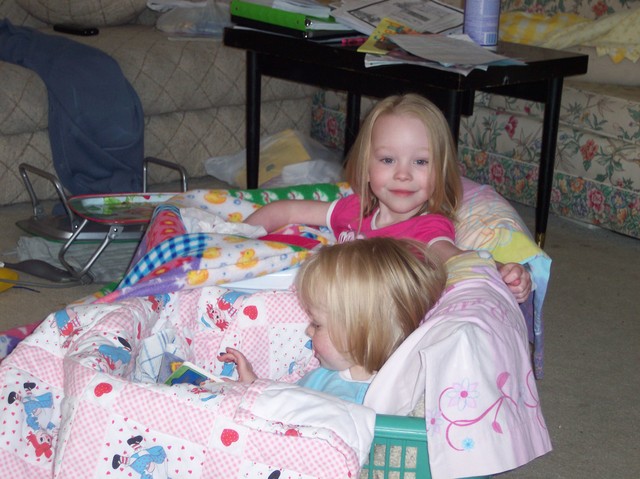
447 193
374 293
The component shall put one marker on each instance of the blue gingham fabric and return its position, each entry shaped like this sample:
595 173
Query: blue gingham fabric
176 247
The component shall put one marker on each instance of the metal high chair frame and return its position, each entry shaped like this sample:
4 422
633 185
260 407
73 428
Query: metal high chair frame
80 225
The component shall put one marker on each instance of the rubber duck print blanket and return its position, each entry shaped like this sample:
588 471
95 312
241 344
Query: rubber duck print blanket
198 239
80 397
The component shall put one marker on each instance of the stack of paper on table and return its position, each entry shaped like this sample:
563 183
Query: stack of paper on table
394 43
448 50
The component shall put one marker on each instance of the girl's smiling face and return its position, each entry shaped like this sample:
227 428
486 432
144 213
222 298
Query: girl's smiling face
400 167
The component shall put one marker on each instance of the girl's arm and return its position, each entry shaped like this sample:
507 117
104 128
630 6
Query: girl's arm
285 212
445 249
515 276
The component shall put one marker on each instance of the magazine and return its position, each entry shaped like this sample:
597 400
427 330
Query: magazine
379 43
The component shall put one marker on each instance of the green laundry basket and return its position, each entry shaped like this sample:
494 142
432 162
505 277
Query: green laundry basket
399 449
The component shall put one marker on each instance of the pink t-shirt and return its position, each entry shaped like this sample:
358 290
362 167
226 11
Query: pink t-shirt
343 219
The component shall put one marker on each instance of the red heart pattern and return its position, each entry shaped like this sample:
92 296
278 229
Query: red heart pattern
251 312
229 436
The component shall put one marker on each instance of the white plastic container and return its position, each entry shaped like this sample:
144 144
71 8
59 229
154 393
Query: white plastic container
481 21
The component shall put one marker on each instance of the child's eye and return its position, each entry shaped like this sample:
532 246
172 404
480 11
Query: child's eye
422 162
386 160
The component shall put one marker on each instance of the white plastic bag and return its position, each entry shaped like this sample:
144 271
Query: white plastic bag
166 5
207 18
286 158
308 172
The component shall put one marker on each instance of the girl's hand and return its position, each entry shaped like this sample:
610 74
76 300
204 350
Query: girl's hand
518 279
245 370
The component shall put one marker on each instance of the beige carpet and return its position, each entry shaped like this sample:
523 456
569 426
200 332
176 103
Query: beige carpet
591 391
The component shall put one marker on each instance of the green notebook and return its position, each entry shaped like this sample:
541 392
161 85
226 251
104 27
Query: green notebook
292 32
282 18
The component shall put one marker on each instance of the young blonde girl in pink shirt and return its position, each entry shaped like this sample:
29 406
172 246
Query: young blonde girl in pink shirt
403 171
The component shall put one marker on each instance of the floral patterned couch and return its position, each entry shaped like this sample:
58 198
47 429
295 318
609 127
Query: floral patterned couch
597 172
192 91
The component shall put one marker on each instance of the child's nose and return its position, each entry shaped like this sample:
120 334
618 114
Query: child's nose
402 172
309 331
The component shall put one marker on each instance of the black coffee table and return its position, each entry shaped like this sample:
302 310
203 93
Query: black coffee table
342 68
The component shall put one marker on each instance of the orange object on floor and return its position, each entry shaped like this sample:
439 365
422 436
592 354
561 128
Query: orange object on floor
7 274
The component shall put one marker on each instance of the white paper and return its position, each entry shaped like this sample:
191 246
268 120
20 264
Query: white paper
421 15
371 60
449 51
306 7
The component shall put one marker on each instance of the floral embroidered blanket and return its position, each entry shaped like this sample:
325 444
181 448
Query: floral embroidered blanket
470 361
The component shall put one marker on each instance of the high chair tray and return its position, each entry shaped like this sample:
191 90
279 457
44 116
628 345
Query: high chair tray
129 209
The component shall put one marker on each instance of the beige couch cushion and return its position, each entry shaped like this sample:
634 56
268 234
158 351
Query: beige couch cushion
85 12
168 75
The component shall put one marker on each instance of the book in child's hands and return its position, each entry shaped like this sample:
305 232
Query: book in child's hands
189 373
170 362
175 370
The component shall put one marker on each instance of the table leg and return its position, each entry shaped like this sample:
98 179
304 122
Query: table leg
352 121
547 156
452 109
253 90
